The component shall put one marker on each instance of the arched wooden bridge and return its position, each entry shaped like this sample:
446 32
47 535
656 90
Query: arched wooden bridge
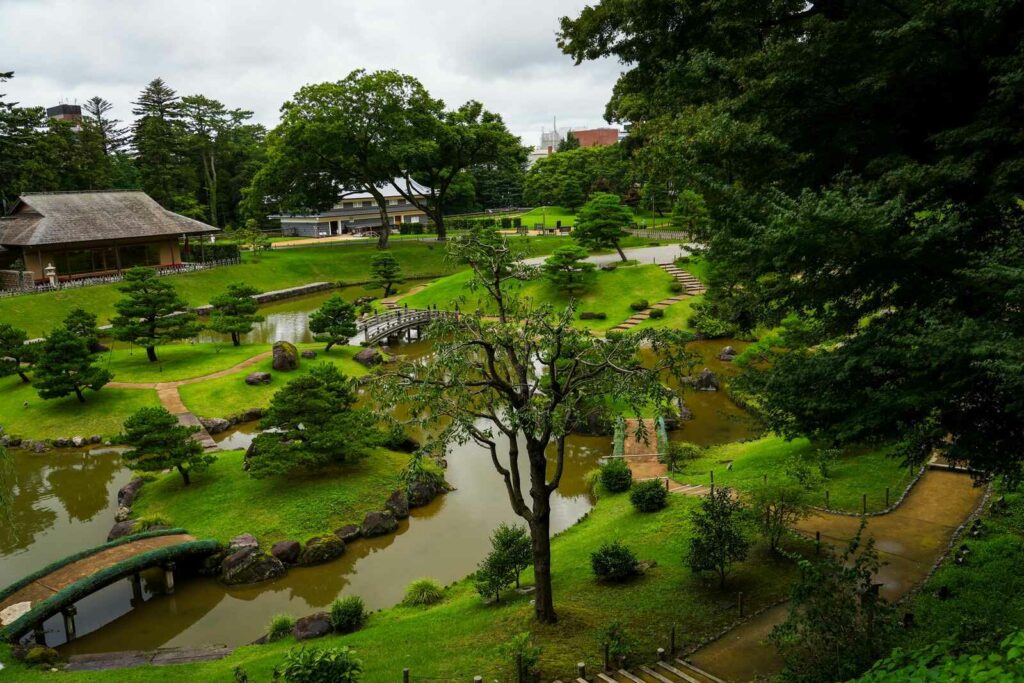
27 604
380 327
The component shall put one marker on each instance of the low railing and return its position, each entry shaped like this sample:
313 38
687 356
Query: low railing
116 277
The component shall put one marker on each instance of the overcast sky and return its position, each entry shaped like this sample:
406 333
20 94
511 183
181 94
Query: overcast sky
254 54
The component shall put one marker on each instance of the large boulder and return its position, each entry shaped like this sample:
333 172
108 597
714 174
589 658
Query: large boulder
378 523
314 626
321 549
706 381
62 442
250 565
286 356
215 425
309 354
125 528
123 514
398 504
348 533
126 494
243 541
728 354
286 551
254 378
422 492
369 357
78 441
250 415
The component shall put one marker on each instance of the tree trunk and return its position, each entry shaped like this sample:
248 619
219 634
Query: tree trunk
23 376
442 232
184 475
151 353
621 254
382 208
329 345
540 537
78 393
235 340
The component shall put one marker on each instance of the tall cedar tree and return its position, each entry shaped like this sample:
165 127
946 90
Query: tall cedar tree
14 353
860 163
159 443
158 137
601 222
113 137
82 324
334 322
718 539
314 424
567 267
65 366
385 272
520 381
151 313
234 311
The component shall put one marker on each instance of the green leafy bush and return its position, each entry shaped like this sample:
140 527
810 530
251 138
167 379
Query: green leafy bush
280 627
641 305
649 496
679 452
620 642
42 656
320 665
657 313
676 287
423 592
593 315
520 651
614 562
616 475
347 613
708 325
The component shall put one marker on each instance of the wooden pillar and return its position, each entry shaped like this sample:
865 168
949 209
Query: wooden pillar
137 596
39 635
69 613
169 577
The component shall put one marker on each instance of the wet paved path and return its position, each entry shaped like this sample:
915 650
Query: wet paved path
909 540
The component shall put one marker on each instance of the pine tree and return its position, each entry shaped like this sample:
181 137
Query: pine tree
114 137
14 353
567 267
234 312
151 313
159 442
601 221
82 324
158 138
385 272
65 366
334 322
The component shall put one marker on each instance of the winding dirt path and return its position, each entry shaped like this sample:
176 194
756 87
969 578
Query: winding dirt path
170 398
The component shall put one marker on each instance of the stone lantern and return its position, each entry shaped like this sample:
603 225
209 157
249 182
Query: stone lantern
50 273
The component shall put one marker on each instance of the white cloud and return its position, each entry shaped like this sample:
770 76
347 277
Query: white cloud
254 54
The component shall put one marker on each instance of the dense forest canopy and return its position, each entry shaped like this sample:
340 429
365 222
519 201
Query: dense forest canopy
862 161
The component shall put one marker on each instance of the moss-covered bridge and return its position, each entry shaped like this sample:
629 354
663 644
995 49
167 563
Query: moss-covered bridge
26 604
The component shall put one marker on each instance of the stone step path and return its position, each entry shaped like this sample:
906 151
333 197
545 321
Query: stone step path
691 287
666 671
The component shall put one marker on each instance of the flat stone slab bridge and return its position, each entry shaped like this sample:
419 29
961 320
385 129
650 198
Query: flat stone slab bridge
376 328
36 598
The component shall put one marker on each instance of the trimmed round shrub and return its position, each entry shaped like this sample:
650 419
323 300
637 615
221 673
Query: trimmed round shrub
42 656
593 315
347 613
641 305
280 626
649 496
616 475
657 313
614 562
423 592
675 287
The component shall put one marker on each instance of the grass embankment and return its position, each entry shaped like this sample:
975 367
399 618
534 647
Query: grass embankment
474 632
225 501
230 395
102 413
855 473
267 271
610 292
978 603
549 217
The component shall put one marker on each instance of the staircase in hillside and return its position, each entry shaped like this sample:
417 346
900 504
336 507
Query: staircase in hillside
691 287
691 284
671 671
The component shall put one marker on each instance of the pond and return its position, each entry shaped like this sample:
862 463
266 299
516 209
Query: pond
64 503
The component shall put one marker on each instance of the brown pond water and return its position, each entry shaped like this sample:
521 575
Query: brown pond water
64 503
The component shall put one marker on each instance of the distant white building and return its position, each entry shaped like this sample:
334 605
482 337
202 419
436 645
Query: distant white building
355 213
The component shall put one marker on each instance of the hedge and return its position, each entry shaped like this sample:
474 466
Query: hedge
81 555
89 585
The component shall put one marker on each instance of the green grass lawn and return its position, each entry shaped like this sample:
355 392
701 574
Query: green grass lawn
230 395
176 361
610 292
696 266
102 413
220 502
549 216
267 271
461 637
856 472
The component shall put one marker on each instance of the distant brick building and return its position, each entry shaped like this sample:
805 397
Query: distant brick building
596 137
